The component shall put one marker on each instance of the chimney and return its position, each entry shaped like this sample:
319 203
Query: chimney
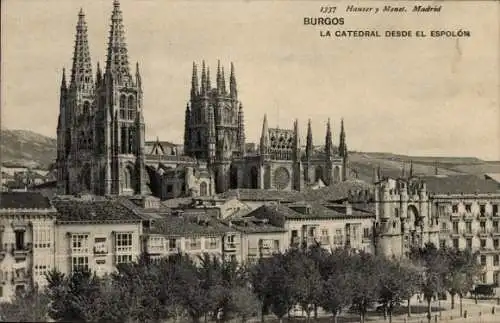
348 208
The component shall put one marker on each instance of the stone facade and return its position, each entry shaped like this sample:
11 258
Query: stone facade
27 241
101 146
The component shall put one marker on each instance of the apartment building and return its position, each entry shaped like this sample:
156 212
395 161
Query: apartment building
26 241
95 234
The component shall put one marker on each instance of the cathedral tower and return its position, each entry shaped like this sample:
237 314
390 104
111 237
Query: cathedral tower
100 131
120 121
214 127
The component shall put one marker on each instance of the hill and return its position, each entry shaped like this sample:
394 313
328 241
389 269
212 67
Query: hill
26 148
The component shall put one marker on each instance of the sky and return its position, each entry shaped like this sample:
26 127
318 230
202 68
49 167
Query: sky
429 97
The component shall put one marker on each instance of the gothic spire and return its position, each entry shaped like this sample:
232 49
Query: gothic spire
264 138
63 80
218 78
342 143
296 132
309 140
81 72
138 78
208 85
411 168
241 129
187 129
203 78
223 81
194 82
117 58
98 77
233 91
328 139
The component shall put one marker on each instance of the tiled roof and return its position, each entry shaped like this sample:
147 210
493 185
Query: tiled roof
187 225
315 210
23 200
457 184
102 211
253 225
177 202
336 191
261 195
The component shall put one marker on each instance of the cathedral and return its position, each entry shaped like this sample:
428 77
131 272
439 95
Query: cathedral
101 147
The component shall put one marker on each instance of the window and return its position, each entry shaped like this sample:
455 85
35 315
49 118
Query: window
496 260
123 106
454 208
483 260
170 188
19 240
211 243
468 207
482 209
495 243
495 209
338 238
172 244
442 244
495 226
123 259
367 233
483 278
456 244
455 227
79 263
468 227
203 189
482 225
123 242
444 226
194 243
469 243
483 243
80 243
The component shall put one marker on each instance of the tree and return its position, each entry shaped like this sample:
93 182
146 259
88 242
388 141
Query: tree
303 272
31 306
463 270
397 283
435 267
244 303
364 281
336 294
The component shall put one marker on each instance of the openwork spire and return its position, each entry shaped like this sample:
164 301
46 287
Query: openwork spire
194 81
117 58
309 140
232 83
328 139
342 143
81 72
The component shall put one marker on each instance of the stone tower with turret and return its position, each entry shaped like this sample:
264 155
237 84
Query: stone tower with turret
101 125
214 127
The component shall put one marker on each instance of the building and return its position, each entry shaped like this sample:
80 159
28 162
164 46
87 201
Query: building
27 241
193 233
329 225
258 238
101 147
95 234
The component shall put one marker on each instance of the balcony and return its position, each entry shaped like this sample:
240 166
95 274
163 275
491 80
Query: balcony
20 277
295 242
483 232
22 252
230 246
495 232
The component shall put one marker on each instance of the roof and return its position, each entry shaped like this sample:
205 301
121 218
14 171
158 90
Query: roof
24 200
337 191
307 210
248 194
254 225
493 176
459 184
184 225
101 211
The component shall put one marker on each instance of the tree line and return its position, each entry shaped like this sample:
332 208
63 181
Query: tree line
180 288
